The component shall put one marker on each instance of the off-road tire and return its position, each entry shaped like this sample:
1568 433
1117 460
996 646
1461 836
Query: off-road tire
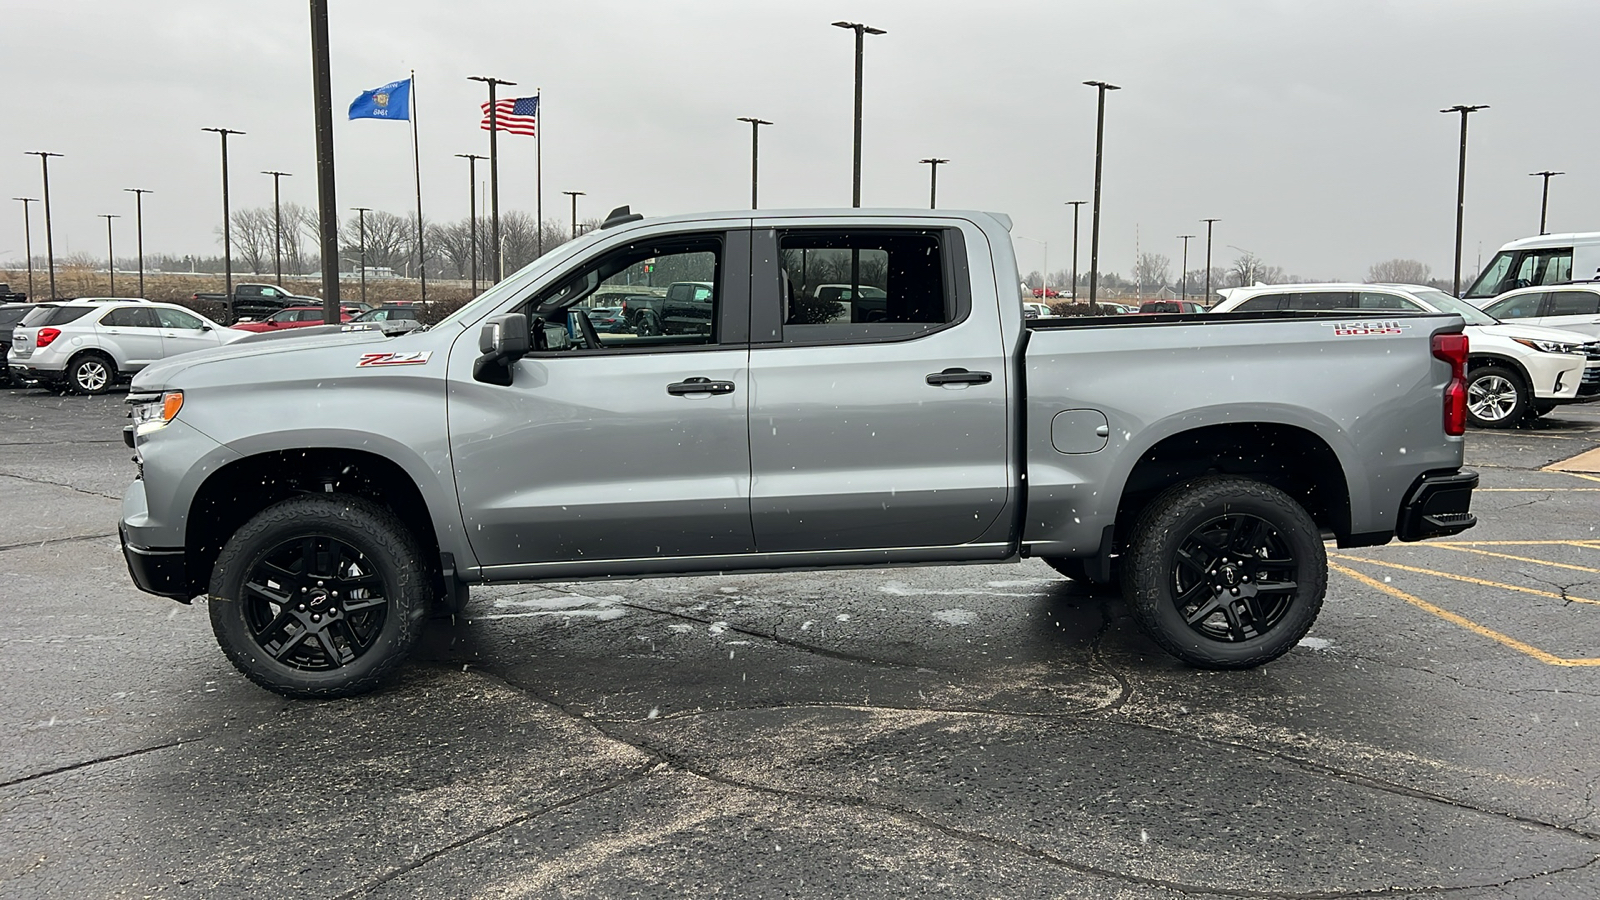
91 373
1167 556
381 546
1497 381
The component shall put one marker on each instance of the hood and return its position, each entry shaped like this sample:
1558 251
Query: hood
1532 333
157 375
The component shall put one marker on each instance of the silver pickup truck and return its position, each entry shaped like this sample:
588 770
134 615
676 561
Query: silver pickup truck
328 491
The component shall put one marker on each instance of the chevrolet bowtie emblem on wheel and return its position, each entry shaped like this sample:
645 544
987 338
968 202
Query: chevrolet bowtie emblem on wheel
414 358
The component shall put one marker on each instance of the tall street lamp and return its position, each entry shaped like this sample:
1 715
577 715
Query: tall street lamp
111 253
1209 223
472 205
1544 202
27 237
1461 183
755 155
361 231
495 263
1183 277
933 163
1099 142
227 232
861 32
49 231
277 227
1075 204
138 218
574 195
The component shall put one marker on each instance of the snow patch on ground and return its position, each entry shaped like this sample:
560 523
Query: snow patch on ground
901 589
1313 643
955 616
600 609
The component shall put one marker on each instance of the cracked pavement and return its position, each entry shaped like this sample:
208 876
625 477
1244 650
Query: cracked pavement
967 731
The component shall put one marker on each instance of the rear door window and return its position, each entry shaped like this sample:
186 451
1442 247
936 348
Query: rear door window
862 284
1322 300
1574 303
1385 300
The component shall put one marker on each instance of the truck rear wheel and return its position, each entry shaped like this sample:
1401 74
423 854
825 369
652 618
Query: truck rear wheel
319 596
1225 572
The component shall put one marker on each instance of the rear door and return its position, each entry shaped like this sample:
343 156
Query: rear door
634 447
133 335
1576 309
880 425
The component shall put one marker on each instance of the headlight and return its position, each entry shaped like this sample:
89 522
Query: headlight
1550 346
153 413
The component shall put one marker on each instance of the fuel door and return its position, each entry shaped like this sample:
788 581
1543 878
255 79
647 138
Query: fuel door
1079 431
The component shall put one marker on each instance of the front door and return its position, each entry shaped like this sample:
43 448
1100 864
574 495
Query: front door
182 332
878 415
614 446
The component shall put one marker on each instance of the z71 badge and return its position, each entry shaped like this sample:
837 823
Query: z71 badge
414 358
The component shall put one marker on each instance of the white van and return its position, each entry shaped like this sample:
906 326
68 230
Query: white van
1533 261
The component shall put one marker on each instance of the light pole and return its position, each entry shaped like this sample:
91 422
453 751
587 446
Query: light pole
277 227
49 232
27 237
1461 183
1044 279
1544 202
494 173
933 163
755 155
574 195
1183 278
111 253
472 204
227 233
1099 143
361 230
1209 223
1075 204
138 218
861 32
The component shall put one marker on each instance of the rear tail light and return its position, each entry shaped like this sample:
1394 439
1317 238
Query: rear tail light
46 337
1452 348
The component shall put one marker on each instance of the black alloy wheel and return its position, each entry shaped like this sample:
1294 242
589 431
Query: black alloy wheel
1225 572
319 596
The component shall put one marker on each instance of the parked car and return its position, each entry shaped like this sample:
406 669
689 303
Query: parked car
1535 261
256 301
607 319
684 308
1515 370
89 347
7 295
1574 307
295 317
1152 307
10 315
502 447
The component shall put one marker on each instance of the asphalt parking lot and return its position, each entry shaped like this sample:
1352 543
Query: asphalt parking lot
974 731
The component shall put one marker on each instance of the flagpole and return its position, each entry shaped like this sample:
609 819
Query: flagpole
416 162
538 165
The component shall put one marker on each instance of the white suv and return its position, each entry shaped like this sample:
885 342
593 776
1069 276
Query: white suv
1574 307
86 347
1513 370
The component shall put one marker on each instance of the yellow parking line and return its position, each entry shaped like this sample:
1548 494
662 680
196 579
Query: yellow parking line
1468 579
1582 542
1526 559
1573 474
1549 659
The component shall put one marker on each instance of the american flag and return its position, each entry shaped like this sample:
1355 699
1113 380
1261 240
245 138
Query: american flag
518 116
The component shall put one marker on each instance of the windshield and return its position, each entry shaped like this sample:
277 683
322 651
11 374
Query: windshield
1444 302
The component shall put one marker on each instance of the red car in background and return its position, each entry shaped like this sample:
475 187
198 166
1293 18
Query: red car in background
296 317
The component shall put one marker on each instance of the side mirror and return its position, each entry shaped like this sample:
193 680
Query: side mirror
502 341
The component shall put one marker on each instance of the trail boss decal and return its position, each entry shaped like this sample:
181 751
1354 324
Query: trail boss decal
414 358
1362 329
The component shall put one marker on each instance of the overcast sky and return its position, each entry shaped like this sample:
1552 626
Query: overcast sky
1311 129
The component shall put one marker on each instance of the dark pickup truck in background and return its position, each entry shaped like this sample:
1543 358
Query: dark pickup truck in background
253 301
7 295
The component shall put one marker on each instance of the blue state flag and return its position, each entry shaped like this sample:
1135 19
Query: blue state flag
392 101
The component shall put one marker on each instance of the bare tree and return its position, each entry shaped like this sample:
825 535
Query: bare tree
251 237
1400 271
1248 269
388 239
1150 272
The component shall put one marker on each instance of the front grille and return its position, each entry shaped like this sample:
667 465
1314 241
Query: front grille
1591 372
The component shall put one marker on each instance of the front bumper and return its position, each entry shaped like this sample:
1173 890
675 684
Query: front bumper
1438 505
157 570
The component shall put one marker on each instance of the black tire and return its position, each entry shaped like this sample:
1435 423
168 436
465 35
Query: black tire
648 324
91 373
1078 570
366 597
1497 397
1225 572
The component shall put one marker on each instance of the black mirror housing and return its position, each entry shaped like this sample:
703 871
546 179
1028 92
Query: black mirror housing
502 341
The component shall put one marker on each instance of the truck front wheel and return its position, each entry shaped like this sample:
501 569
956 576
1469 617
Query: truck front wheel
319 596
1225 572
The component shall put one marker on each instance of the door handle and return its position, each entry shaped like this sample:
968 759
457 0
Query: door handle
959 376
700 385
